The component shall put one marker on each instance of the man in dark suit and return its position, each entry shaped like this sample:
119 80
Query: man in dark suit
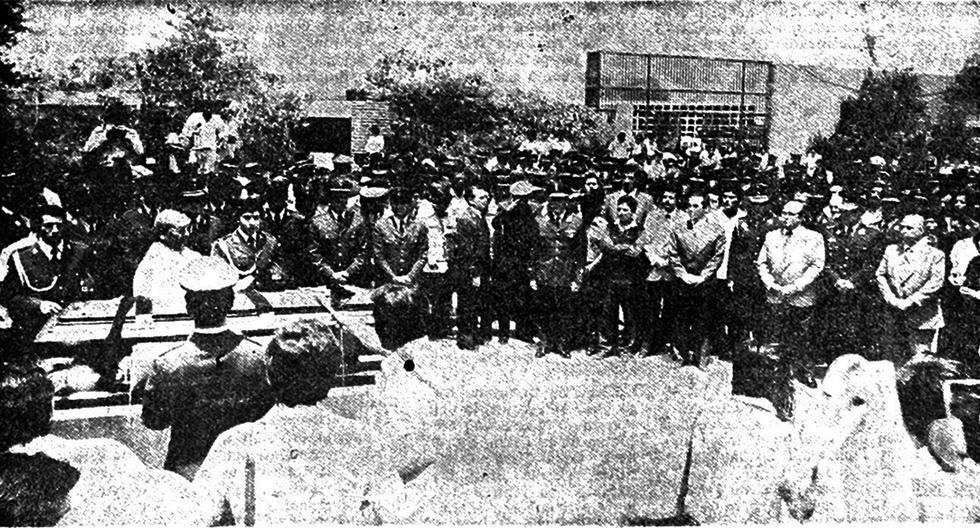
44 276
213 381
400 242
470 263
252 251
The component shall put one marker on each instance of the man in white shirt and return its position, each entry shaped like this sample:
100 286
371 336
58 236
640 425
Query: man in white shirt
157 275
204 134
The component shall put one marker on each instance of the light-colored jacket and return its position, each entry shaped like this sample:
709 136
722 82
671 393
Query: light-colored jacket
915 273
299 465
793 260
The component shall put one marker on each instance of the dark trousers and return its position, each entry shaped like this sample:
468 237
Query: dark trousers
438 291
473 316
590 317
695 325
512 302
625 295
554 314
657 314
791 326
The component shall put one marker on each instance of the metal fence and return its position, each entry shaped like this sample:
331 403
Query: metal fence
719 100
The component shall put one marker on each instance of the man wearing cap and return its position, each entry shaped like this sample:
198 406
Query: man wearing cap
213 381
332 249
292 230
516 246
909 278
556 273
44 274
791 259
251 250
853 249
157 275
400 241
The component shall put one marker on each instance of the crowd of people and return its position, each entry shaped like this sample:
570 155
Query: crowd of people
689 250
682 249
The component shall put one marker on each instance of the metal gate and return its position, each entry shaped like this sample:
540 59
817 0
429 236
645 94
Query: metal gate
719 100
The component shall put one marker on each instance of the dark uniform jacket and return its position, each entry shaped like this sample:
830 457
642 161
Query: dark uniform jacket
292 231
257 258
333 243
204 229
854 253
33 278
516 243
202 388
400 252
557 264
128 239
470 254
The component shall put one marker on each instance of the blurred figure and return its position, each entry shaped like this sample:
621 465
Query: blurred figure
204 134
375 143
301 463
113 142
213 381
470 262
620 148
51 480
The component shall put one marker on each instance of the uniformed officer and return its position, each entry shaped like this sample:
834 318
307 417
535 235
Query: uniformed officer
213 381
557 272
332 248
251 250
44 274
400 241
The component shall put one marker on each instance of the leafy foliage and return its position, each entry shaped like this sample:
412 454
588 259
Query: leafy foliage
441 109
199 62
961 105
887 117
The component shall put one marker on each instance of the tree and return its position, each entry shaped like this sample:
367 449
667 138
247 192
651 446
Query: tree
440 108
887 117
11 24
961 105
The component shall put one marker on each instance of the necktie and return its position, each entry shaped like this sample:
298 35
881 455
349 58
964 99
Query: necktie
55 254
